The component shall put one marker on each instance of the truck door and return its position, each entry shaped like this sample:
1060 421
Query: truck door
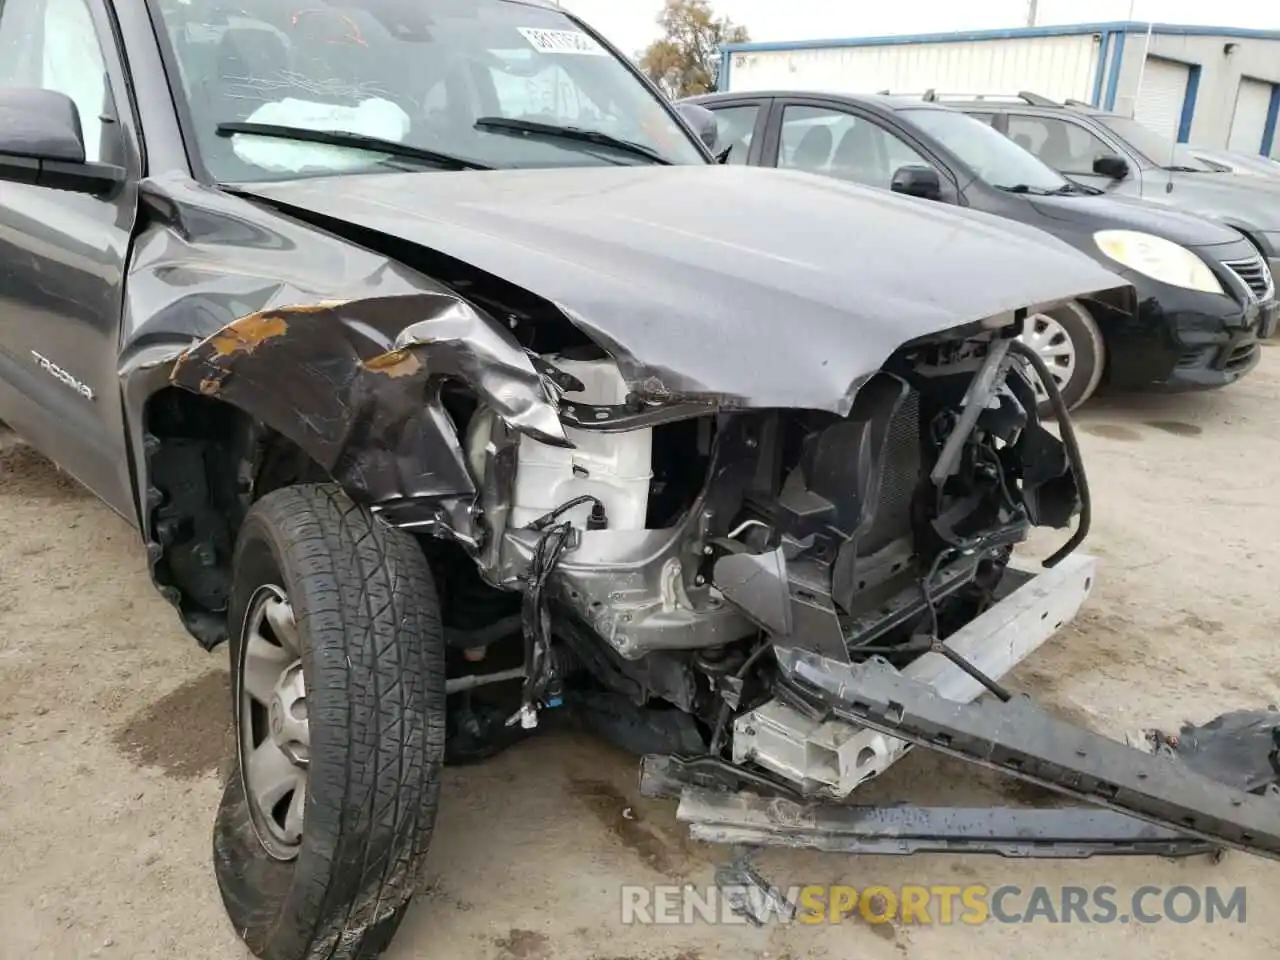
63 255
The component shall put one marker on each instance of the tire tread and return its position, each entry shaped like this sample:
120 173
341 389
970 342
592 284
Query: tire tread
369 610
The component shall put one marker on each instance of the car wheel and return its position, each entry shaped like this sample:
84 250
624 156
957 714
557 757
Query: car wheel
1070 344
338 686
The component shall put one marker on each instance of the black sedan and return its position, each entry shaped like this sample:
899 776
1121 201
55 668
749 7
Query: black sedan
1205 294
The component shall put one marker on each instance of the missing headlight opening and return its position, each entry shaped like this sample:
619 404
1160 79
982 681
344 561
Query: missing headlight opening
692 538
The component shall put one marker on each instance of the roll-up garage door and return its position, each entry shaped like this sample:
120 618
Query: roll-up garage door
1160 98
1252 102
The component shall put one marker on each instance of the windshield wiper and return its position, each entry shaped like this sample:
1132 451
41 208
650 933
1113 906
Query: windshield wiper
1024 188
359 141
1070 188
1176 168
557 131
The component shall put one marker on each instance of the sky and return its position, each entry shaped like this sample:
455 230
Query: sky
629 24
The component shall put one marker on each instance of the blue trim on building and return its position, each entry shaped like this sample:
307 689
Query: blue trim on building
1269 128
1013 33
1113 81
722 78
1184 30
1189 102
1103 47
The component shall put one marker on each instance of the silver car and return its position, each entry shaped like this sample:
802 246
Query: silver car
1122 157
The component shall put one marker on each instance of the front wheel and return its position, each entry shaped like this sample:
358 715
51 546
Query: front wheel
1069 342
337 665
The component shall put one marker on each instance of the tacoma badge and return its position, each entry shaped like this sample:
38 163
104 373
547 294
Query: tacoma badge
58 373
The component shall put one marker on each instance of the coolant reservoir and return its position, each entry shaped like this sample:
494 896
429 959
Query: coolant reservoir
613 467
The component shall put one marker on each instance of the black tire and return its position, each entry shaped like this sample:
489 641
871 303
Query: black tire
372 651
1090 355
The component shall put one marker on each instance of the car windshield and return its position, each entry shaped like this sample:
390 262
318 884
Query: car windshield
420 73
1157 150
991 155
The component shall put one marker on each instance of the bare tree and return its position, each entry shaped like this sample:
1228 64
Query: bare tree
686 59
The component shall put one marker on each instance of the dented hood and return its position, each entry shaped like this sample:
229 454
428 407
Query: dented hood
764 287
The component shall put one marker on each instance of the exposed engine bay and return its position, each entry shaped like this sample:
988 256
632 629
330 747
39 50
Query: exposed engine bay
692 542
773 606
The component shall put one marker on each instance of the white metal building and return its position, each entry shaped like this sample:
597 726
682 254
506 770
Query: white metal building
1210 86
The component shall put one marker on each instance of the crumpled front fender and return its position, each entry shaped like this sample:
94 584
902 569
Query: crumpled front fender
356 385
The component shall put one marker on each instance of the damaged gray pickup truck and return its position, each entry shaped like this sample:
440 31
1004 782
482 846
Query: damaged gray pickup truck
448 377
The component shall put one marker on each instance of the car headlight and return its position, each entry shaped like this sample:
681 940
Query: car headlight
1158 258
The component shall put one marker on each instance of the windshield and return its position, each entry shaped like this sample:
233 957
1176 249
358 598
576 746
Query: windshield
991 155
417 72
1157 150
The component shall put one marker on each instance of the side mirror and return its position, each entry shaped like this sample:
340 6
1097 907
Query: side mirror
703 122
41 143
1111 166
917 180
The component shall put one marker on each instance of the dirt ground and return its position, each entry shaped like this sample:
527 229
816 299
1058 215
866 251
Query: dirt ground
113 726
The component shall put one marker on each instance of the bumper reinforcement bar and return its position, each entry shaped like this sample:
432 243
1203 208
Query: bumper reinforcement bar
1066 833
1021 740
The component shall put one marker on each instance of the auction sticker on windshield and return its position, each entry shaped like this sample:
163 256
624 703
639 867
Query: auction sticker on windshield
562 41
